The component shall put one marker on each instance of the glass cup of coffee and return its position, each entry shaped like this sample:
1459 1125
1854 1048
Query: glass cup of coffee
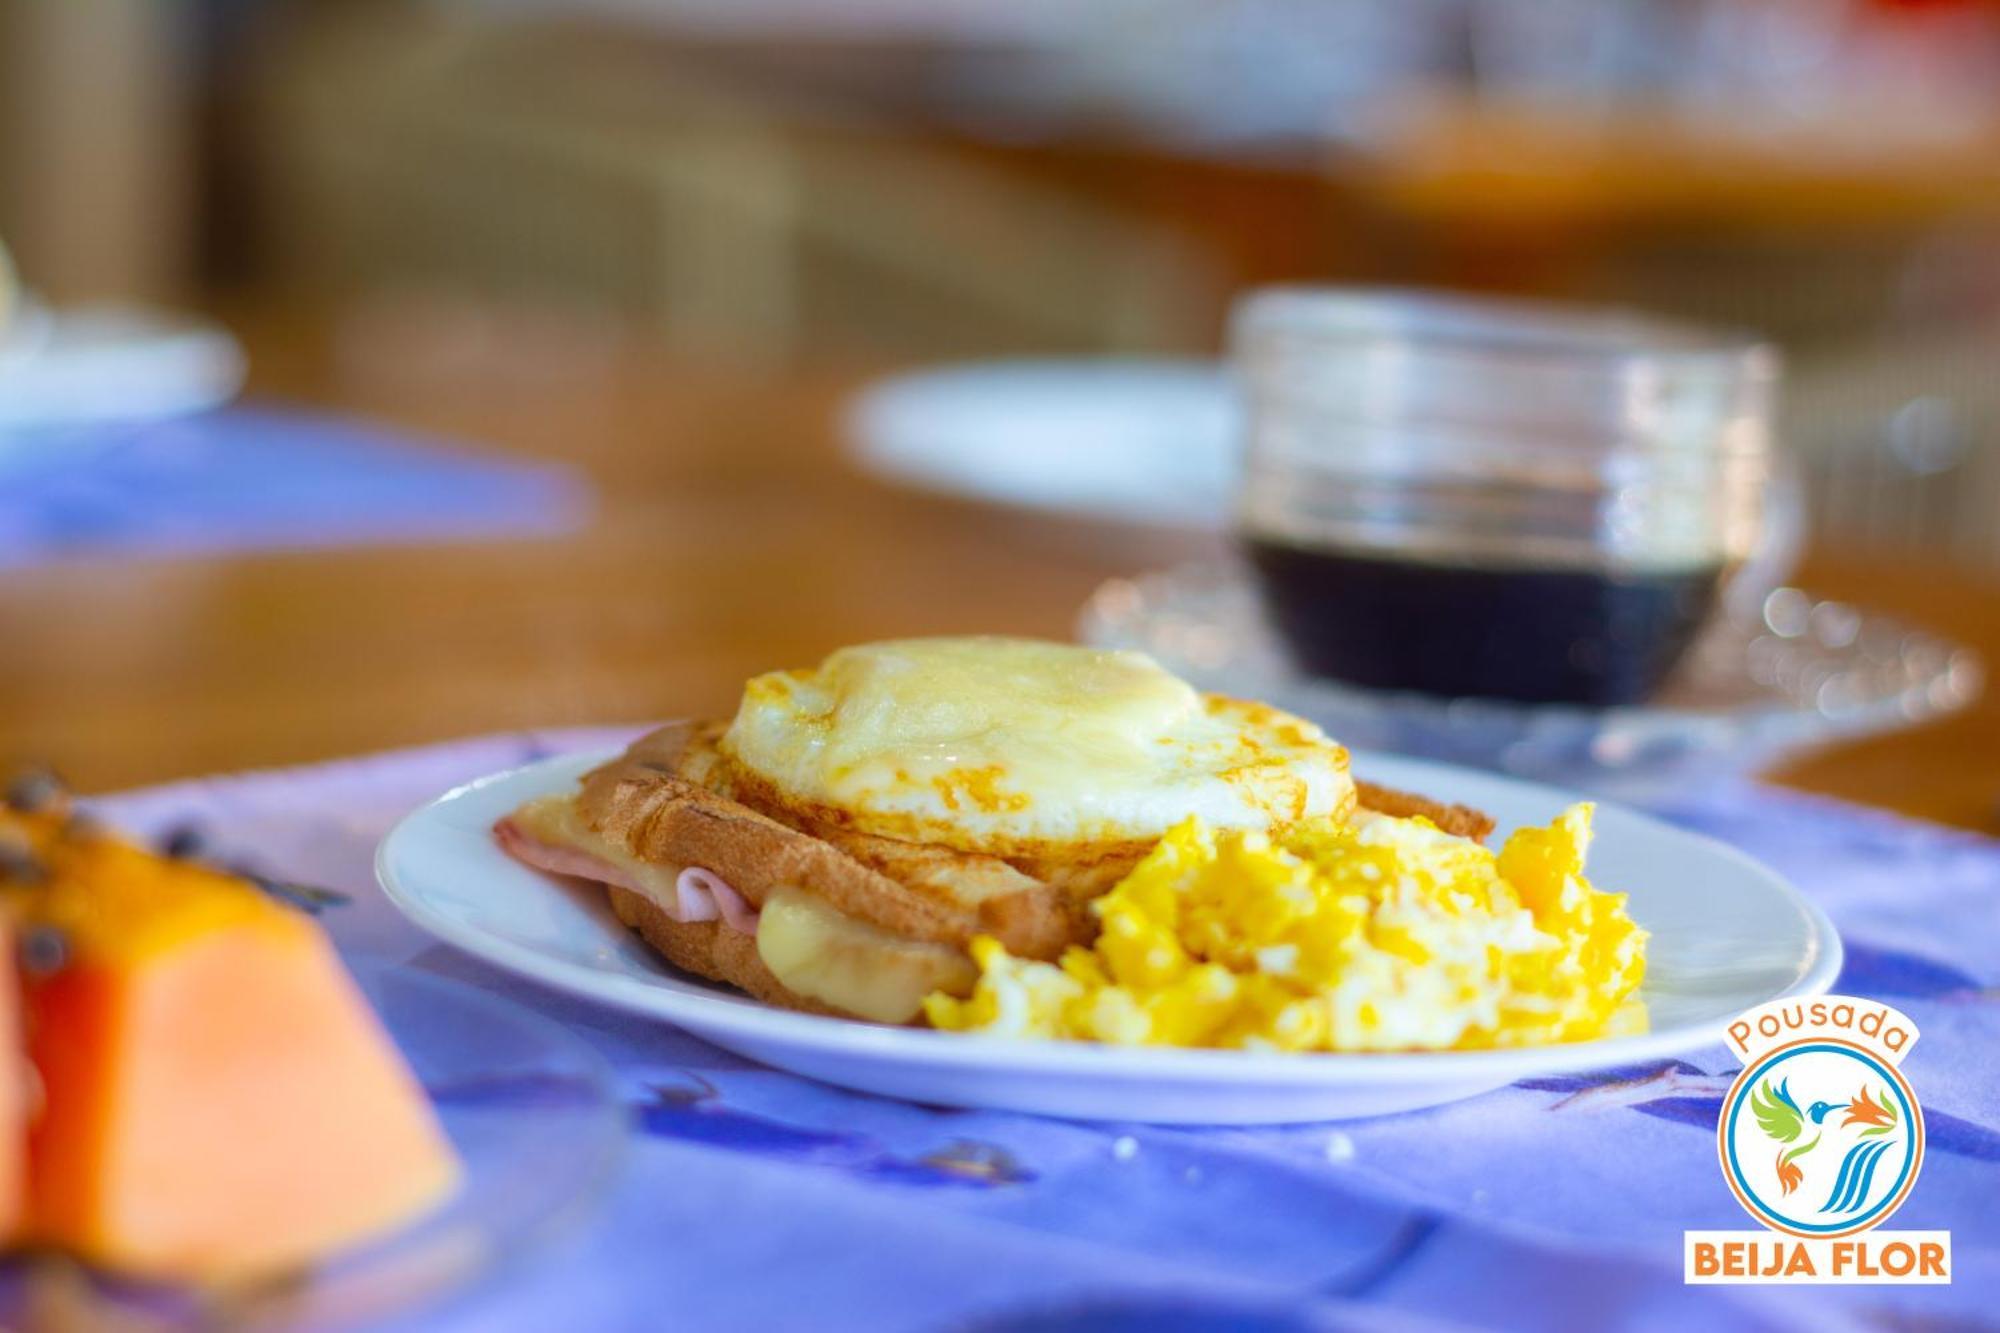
1462 496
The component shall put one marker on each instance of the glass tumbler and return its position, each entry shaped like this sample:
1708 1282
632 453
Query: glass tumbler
1464 496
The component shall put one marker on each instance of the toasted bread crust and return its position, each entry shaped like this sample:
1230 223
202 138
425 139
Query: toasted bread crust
673 798
1460 820
645 801
708 949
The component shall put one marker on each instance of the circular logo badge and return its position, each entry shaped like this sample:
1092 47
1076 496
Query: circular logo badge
1820 1138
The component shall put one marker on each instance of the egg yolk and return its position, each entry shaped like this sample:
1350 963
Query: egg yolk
1375 934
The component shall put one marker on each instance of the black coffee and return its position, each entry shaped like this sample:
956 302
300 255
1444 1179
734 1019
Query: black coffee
1530 634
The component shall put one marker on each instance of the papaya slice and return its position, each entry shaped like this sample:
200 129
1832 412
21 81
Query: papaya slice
14 1092
216 1099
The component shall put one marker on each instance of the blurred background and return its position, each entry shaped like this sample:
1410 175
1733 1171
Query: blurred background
591 282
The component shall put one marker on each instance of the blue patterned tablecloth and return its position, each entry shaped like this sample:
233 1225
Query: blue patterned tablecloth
257 478
756 1200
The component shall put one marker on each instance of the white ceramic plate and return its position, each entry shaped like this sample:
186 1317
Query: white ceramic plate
1143 441
1728 934
70 369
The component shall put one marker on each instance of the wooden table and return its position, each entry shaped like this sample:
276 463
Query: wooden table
731 538
1476 164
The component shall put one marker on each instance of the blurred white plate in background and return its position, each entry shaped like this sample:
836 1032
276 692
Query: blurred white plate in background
95 366
1140 441
24 326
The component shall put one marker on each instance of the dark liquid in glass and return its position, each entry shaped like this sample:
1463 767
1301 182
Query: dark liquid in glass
1538 635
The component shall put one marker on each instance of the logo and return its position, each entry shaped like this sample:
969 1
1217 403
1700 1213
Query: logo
1837 1156
1821 1140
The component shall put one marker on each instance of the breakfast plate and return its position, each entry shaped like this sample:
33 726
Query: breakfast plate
1727 934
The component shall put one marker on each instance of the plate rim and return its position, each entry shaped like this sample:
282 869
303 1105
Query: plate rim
743 1018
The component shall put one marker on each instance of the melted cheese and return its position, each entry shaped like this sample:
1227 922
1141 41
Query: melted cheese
826 955
978 742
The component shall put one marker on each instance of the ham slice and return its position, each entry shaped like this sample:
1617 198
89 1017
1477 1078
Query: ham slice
699 895
705 895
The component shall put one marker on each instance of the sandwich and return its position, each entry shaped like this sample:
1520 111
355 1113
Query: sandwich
840 844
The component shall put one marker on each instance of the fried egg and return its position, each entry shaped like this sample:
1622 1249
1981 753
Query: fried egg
1375 934
989 744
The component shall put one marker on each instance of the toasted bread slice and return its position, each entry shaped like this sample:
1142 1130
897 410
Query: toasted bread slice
1459 820
709 949
657 802
673 799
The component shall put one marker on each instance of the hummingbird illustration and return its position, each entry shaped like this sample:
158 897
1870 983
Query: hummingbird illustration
1779 1116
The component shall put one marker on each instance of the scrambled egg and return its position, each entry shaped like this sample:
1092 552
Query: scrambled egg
1378 934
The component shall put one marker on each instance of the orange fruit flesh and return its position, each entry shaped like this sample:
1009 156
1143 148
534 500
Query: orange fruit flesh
217 1100
14 1091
